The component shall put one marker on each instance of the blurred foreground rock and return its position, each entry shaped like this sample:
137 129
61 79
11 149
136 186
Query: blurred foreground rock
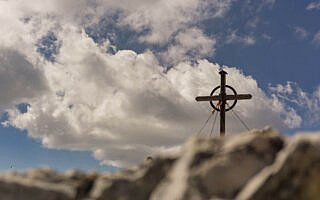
255 165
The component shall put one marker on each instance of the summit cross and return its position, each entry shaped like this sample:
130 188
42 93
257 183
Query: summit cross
222 99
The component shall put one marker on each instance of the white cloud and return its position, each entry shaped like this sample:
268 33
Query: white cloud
300 32
292 94
313 6
121 107
19 79
165 17
253 23
191 43
235 38
159 22
266 37
316 38
156 20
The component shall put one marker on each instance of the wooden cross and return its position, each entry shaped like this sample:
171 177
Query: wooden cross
222 99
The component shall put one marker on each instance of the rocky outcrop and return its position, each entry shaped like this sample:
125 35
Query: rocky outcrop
294 175
46 184
218 167
255 165
135 184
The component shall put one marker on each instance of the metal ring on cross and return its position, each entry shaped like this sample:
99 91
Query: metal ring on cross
234 102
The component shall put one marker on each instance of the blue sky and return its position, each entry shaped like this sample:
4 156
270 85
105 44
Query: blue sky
20 152
80 90
285 56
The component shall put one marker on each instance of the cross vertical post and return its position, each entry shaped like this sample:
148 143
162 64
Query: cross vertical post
223 103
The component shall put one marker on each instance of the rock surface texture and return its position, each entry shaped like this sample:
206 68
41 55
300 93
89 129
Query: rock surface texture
249 166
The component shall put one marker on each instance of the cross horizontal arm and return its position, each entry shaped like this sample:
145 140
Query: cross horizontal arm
228 97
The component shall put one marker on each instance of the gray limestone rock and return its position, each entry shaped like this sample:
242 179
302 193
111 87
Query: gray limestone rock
219 168
295 175
132 184
256 165
39 184
16 187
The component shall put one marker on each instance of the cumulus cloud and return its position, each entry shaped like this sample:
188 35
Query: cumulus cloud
154 22
189 44
19 79
161 19
122 106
